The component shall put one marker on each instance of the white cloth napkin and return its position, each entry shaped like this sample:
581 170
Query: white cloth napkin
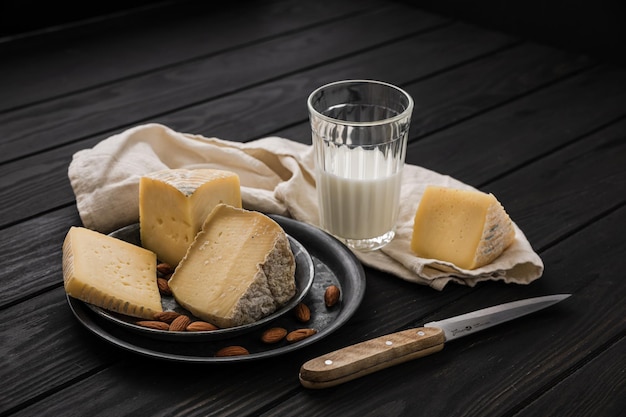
277 177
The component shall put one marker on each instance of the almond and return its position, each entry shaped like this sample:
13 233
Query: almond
164 287
166 316
302 312
232 351
201 326
180 323
273 335
331 295
153 324
164 268
300 334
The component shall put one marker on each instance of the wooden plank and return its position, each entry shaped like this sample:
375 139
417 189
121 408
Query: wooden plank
505 365
255 116
591 272
247 114
45 350
25 188
458 94
171 389
19 19
522 131
143 96
558 194
37 69
552 334
32 257
47 170
410 304
371 320
566 126
604 396
61 193
51 311
596 28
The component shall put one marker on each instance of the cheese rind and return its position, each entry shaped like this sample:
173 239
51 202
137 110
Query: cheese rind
467 228
239 269
110 273
173 204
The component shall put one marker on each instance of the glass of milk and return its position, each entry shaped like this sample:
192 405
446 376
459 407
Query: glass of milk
360 131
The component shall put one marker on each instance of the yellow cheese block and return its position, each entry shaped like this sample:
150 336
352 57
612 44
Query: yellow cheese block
465 227
239 269
110 273
174 203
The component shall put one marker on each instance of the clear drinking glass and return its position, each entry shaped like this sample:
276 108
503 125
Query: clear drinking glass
360 131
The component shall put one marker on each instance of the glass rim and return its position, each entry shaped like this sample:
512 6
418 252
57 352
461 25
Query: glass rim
405 113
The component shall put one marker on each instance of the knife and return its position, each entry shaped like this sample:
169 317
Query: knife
372 355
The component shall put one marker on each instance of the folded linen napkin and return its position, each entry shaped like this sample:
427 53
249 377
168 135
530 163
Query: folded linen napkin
277 177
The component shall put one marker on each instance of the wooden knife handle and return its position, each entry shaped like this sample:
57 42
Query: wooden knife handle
364 358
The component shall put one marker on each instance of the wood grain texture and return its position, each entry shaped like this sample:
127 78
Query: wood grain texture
46 349
133 99
32 265
21 188
585 398
395 300
500 366
39 70
363 358
523 130
568 189
541 128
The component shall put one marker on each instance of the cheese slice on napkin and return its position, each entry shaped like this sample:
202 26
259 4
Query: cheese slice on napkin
468 228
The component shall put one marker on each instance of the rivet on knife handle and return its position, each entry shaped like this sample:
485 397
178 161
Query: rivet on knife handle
364 358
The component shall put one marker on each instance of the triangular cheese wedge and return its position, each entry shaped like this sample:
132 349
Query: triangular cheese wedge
239 269
174 203
465 227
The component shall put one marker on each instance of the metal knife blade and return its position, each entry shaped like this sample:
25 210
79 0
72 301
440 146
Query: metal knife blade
364 358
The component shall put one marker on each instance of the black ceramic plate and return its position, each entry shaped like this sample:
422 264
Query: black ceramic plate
334 264
304 279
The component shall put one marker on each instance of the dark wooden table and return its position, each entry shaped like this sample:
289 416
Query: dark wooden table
542 128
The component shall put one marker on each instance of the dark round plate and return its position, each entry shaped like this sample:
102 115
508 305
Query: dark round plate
334 264
305 272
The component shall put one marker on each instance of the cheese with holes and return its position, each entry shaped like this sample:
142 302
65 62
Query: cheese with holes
465 227
110 273
174 203
239 269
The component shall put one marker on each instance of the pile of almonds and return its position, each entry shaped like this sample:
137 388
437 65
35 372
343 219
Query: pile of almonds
176 322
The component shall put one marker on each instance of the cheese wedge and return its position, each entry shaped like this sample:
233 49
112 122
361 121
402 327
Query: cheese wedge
465 227
110 273
239 269
174 203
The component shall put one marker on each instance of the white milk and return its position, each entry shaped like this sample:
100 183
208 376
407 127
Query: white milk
360 198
